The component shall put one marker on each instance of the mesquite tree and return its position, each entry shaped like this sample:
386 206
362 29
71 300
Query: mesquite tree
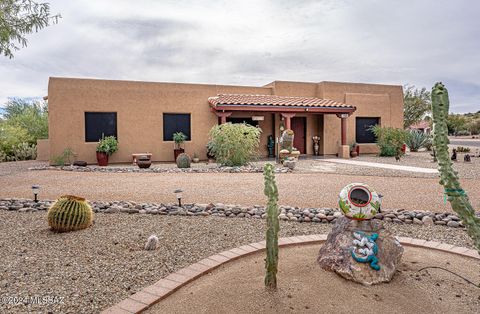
448 177
273 226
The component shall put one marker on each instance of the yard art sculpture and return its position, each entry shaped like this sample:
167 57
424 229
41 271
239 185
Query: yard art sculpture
359 248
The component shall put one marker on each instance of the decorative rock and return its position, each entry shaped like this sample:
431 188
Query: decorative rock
417 221
427 220
335 255
80 163
453 224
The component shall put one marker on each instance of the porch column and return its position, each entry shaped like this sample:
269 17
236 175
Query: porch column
288 117
223 116
344 149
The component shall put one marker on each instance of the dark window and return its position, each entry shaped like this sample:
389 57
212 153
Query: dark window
243 120
176 122
98 124
362 130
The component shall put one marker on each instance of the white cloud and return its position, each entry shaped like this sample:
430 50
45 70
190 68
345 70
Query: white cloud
255 42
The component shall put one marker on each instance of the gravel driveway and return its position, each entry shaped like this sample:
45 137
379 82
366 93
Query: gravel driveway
314 189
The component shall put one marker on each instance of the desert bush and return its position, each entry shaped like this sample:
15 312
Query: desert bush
462 133
24 151
65 158
389 140
416 140
234 144
461 149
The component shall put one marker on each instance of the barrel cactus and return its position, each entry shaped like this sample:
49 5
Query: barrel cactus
273 227
448 176
70 213
183 161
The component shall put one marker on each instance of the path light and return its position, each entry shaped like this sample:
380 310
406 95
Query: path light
35 190
178 194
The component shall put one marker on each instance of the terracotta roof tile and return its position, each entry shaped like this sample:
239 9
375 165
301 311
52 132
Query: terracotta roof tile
274 100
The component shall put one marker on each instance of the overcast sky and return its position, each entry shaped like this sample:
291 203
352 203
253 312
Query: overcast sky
255 42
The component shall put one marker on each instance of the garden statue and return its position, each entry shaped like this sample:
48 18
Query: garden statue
316 145
454 155
358 248
467 158
270 146
286 146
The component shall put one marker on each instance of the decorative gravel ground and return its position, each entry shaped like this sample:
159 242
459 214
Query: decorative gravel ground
92 269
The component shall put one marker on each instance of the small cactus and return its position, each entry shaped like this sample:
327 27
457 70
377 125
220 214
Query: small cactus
183 161
69 213
273 227
152 242
448 176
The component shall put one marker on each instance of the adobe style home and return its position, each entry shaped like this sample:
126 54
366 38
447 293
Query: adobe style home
144 115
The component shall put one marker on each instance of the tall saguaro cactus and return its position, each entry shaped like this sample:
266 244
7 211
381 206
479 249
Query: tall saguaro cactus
273 226
448 177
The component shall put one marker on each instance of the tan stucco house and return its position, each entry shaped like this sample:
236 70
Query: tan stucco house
144 115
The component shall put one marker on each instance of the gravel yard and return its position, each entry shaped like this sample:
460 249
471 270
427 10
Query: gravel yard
91 269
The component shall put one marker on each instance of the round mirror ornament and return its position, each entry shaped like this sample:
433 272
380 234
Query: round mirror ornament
359 201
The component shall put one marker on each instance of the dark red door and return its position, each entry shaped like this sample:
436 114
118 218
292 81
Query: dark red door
299 130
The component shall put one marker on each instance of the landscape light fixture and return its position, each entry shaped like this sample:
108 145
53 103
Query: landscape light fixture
178 194
35 190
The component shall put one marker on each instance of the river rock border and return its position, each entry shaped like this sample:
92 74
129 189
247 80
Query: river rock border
115 169
287 213
148 296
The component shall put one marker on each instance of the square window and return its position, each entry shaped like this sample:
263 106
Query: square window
176 122
363 134
98 124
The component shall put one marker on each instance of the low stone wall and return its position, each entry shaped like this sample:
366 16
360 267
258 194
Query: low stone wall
315 215
114 169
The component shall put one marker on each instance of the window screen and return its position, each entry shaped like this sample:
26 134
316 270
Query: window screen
175 122
98 124
362 130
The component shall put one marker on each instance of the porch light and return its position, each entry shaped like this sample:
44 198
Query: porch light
344 115
35 190
178 194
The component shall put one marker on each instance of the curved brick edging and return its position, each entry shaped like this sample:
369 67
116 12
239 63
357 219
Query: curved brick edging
143 299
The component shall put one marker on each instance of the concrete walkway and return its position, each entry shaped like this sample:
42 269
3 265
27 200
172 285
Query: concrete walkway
379 165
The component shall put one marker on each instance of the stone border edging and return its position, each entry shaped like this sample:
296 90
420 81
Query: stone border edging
148 296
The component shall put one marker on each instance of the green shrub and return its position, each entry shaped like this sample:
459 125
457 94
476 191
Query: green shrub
107 145
389 140
234 144
462 133
64 158
416 140
24 151
461 149
179 138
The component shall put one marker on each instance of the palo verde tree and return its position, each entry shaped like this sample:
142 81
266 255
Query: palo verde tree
448 176
19 18
416 103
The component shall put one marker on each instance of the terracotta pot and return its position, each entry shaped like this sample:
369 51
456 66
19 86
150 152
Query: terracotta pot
144 163
102 159
178 151
196 160
353 154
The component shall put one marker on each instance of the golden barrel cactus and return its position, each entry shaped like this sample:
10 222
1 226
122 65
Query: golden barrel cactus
70 213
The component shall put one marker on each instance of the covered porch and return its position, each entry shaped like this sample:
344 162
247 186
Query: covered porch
306 116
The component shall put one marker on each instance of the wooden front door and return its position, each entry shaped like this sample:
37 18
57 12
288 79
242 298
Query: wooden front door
299 128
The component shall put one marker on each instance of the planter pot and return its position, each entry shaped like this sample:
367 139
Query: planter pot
144 164
178 151
353 154
196 160
102 159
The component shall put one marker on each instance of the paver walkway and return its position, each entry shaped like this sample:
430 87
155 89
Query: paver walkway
380 165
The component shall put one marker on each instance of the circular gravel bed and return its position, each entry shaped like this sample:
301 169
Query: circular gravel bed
305 288
92 269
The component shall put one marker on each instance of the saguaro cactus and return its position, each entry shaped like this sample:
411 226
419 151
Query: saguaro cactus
273 226
448 177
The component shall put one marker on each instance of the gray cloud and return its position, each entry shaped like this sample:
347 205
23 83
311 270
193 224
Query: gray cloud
255 42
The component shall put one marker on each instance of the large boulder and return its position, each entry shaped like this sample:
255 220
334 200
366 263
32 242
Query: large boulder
336 254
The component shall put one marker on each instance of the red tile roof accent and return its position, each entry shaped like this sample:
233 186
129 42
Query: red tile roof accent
274 100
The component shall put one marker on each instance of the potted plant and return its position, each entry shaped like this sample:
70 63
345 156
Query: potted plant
353 150
144 162
106 147
195 158
179 138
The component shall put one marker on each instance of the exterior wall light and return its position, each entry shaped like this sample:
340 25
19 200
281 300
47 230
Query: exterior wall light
178 194
35 190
